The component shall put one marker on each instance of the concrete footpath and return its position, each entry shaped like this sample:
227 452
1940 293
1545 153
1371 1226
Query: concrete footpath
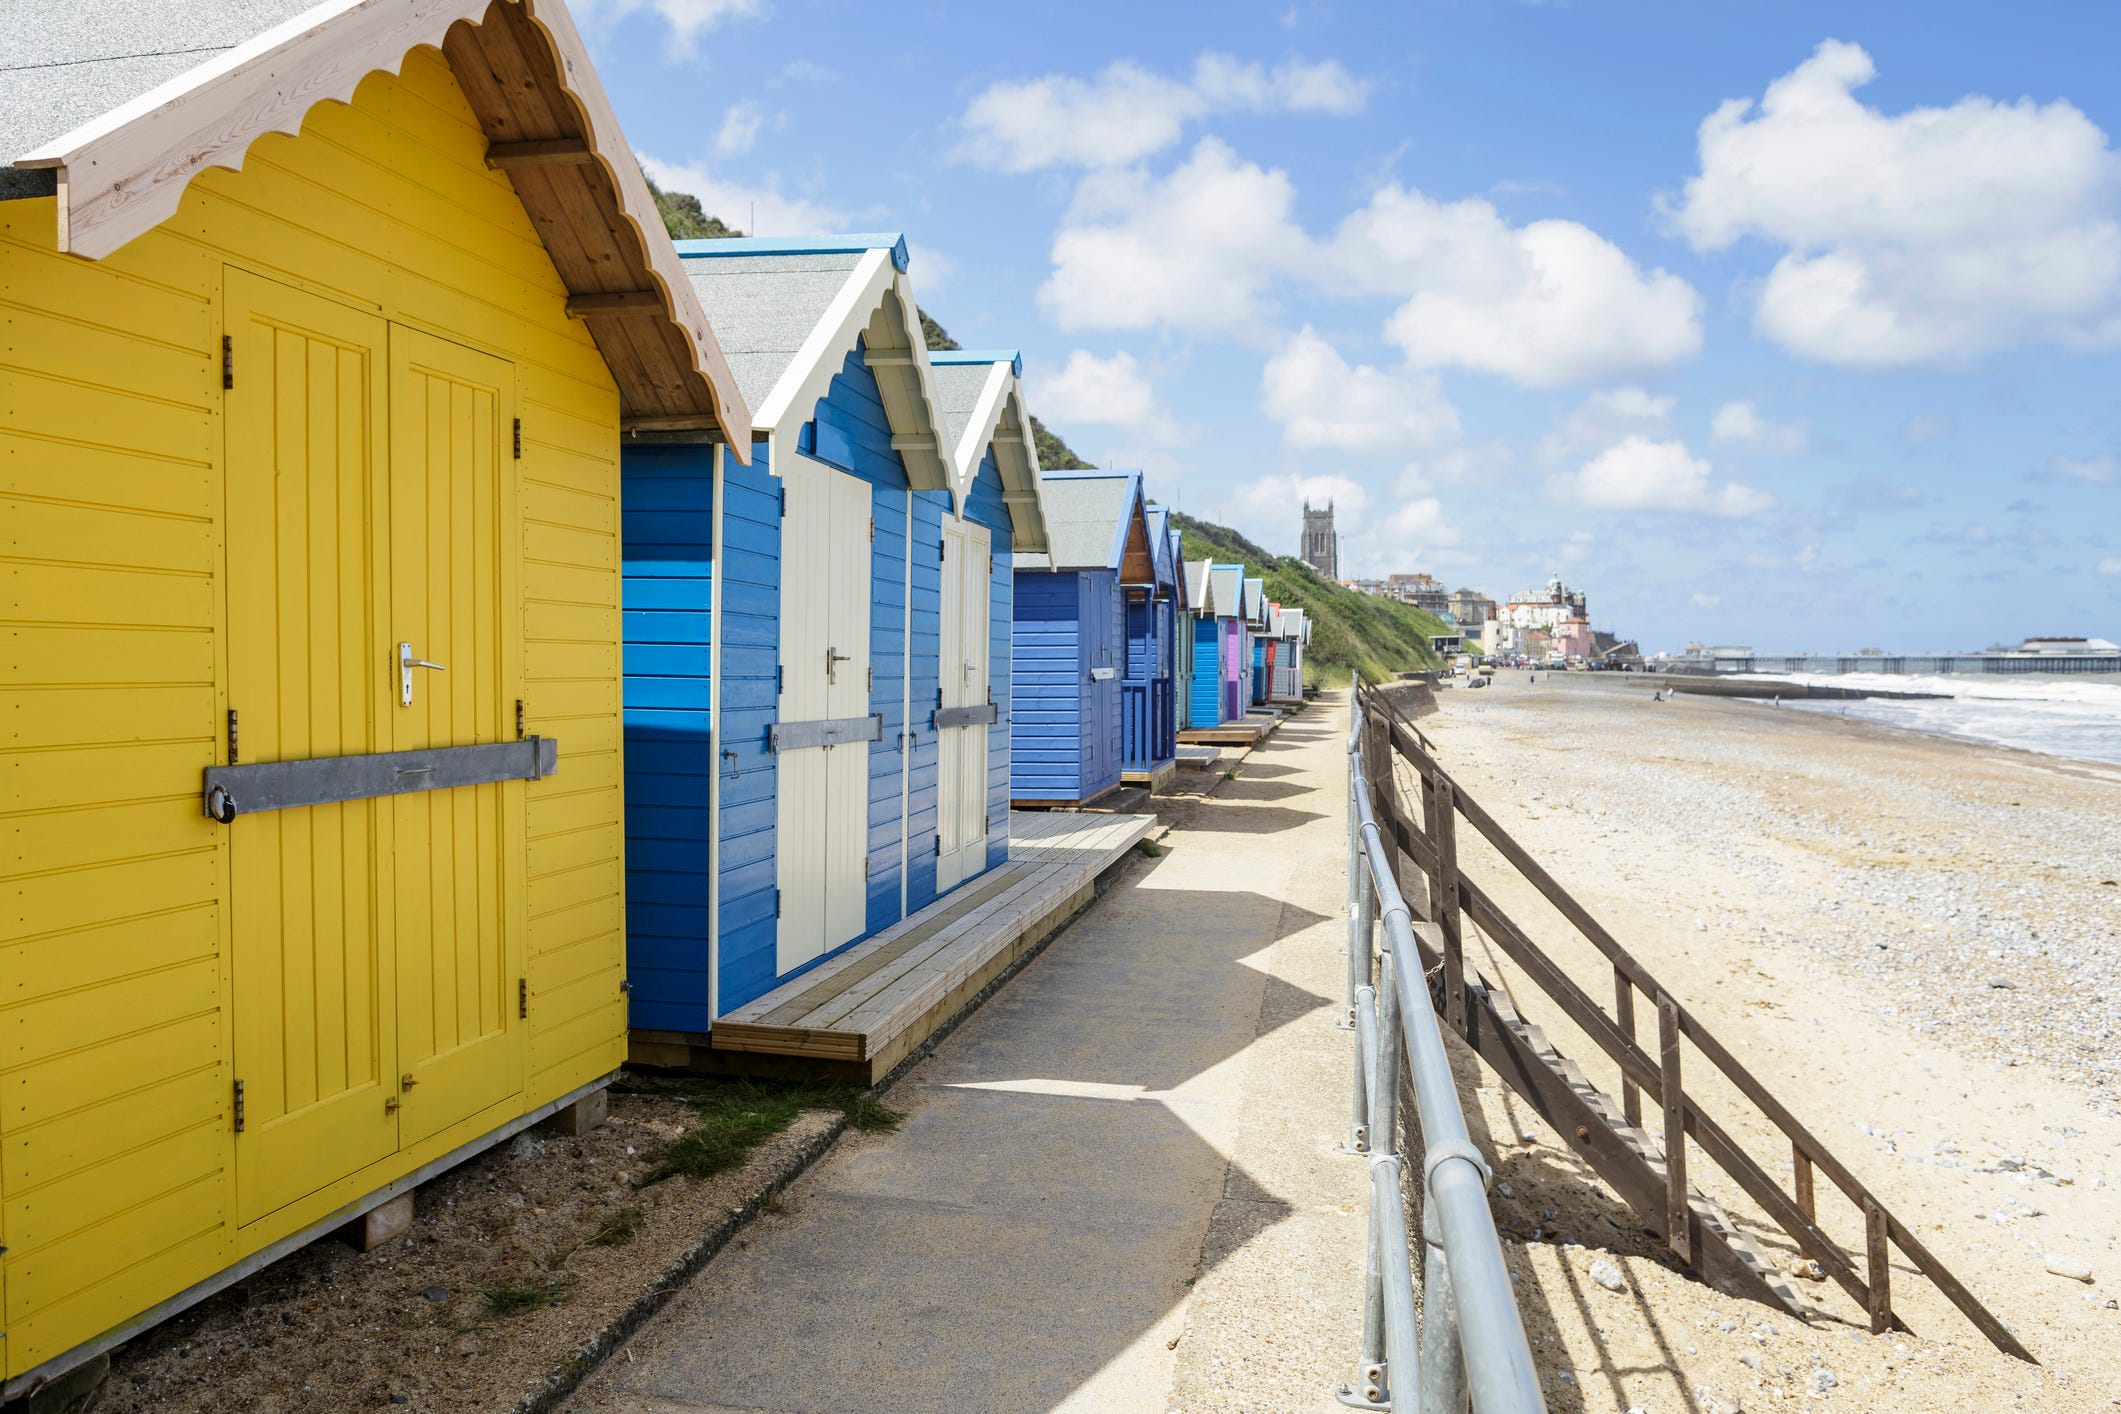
1116 1187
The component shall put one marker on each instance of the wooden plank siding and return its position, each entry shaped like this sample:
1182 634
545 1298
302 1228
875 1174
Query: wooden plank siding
673 743
984 504
1204 701
116 1051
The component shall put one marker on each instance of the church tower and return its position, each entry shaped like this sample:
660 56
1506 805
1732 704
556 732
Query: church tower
1321 547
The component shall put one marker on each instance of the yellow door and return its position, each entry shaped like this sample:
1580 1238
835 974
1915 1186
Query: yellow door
456 853
312 970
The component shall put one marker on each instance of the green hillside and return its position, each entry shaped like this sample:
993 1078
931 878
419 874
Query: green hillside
1349 630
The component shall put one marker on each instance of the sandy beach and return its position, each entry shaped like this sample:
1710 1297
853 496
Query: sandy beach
1914 942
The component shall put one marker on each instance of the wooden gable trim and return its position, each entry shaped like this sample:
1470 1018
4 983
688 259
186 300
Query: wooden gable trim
1137 563
998 420
872 311
527 76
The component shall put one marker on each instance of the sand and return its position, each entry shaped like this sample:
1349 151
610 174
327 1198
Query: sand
1913 942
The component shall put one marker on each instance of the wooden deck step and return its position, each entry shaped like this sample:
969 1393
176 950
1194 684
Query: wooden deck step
1156 779
1241 733
863 1011
1627 1158
1199 758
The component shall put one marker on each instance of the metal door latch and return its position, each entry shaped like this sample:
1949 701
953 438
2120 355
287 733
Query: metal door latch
833 657
406 663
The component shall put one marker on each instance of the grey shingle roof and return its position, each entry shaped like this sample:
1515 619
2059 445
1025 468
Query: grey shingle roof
762 308
63 62
957 388
1083 515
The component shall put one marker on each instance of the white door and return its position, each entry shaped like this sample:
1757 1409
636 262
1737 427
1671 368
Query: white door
961 775
823 790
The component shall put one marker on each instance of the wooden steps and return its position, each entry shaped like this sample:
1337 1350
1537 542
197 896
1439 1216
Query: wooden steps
1246 732
860 1013
1620 1153
1199 758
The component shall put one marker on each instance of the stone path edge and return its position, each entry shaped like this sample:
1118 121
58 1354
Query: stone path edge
586 1358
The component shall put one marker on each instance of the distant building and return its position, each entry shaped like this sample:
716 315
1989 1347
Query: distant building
1554 620
1423 591
2066 647
1470 607
1321 547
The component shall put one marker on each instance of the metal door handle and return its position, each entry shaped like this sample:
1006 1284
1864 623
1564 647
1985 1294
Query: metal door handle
406 663
834 656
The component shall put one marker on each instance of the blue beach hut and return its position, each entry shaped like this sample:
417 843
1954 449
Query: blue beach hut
782 756
1204 694
1148 699
1256 639
1071 638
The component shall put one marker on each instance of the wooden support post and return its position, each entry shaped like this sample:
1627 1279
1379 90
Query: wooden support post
1679 1228
1445 826
1880 1267
1624 1013
1801 1167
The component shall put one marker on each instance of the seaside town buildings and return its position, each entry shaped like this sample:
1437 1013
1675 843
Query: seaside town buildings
1553 622
1321 546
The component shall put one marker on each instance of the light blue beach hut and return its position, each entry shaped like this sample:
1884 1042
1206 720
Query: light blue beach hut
1071 638
783 625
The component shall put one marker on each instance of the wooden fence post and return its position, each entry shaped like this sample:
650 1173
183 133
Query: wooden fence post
1801 1168
1624 1013
1881 1271
1443 825
1679 1228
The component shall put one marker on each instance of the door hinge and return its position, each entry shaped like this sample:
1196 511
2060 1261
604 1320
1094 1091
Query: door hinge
872 679
239 1107
938 845
228 361
866 862
872 530
518 434
938 699
523 997
777 687
784 503
990 567
232 737
519 719
943 552
776 903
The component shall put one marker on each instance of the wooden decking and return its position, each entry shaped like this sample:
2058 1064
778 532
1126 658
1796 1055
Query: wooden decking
1248 731
1199 758
866 1010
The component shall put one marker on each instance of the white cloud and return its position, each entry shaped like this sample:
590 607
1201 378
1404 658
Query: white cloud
1637 474
1928 236
740 128
2102 470
1740 423
1604 418
1546 303
1925 428
1092 389
688 19
1704 601
1322 401
765 210
2110 565
1127 112
930 268
1195 249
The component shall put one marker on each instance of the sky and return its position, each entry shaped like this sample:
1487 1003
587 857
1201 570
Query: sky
1786 324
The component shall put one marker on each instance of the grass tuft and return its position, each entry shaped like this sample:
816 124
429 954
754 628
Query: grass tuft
1150 848
515 1298
617 1229
736 1116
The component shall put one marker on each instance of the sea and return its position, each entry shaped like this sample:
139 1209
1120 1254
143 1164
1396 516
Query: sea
2056 716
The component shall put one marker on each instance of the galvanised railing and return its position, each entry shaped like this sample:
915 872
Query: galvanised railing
1469 1340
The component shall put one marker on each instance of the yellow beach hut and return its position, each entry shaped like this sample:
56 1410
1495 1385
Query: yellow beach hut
317 346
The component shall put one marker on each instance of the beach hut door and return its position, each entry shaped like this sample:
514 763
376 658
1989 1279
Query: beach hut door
823 794
961 776
368 502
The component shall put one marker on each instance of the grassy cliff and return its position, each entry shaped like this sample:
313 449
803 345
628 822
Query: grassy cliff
1350 631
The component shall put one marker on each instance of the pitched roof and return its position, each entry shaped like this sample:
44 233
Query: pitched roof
1165 546
121 105
983 407
1094 521
789 311
1200 586
1256 602
1229 582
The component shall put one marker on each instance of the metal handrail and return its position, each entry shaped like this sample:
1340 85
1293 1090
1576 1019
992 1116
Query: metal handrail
1470 1339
